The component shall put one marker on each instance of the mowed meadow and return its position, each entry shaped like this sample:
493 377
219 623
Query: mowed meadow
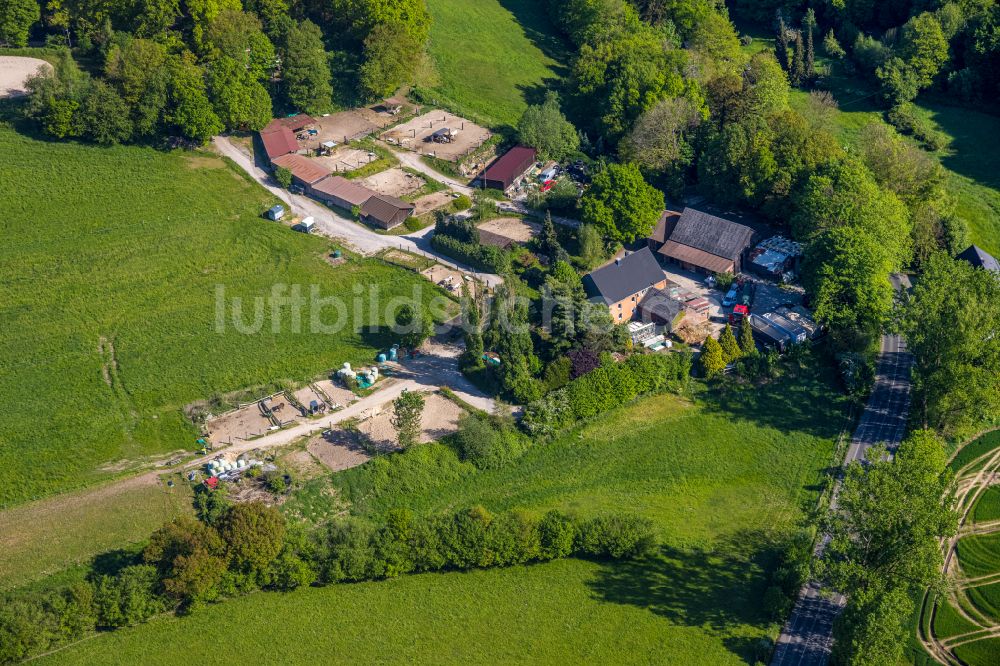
726 480
493 57
111 258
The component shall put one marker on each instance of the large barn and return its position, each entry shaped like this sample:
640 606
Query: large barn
504 173
701 242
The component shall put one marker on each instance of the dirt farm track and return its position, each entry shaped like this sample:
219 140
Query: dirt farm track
14 71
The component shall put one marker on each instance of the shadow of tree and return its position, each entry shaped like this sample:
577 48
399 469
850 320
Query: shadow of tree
540 31
805 401
717 588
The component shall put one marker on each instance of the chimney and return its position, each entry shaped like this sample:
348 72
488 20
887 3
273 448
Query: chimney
618 262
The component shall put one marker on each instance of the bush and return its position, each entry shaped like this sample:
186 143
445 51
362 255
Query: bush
461 202
283 176
487 443
608 386
616 536
413 224
480 257
129 598
857 372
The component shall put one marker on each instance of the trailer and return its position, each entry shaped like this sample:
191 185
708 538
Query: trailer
769 335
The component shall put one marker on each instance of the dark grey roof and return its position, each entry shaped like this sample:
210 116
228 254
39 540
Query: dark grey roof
980 258
659 303
624 277
711 234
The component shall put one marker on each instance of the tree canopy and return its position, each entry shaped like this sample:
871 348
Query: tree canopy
621 204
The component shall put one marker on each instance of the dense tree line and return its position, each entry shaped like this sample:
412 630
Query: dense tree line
884 545
164 68
235 549
905 46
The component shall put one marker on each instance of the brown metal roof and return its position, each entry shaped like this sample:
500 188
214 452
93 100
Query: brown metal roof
692 255
346 190
510 166
278 141
303 168
385 209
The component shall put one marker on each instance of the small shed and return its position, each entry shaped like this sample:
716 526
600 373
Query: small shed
276 212
386 212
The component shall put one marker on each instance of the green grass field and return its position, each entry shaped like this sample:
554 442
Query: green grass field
726 482
947 621
987 506
979 554
981 653
987 599
493 57
46 537
112 258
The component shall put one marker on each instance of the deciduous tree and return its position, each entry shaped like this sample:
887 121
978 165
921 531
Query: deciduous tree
545 128
621 204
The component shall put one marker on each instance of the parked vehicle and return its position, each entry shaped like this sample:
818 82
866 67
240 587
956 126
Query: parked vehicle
547 185
730 298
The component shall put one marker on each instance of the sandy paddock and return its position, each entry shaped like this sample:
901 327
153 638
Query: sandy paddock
336 395
307 394
439 275
429 202
242 423
346 125
283 409
516 229
15 71
440 418
412 135
338 449
345 159
394 182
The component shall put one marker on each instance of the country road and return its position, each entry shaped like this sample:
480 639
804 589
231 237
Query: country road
332 225
807 638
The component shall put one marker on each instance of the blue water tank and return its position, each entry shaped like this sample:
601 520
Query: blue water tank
392 354
381 358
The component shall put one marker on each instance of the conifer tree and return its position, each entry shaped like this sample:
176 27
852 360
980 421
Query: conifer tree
808 25
797 74
730 348
713 360
747 345
781 44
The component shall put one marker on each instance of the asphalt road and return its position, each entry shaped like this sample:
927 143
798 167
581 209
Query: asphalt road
807 637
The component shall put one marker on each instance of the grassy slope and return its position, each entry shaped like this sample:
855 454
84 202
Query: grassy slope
981 653
724 482
129 245
492 56
45 537
987 507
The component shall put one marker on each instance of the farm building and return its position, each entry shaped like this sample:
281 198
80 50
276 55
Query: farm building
980 258
505 172
278 141
622 283
386 212
305 172
339 191
701 242
278 137
295 123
